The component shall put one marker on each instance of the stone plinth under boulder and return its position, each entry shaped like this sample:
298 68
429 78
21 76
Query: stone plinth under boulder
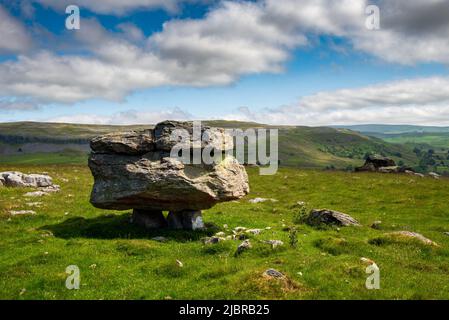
134 170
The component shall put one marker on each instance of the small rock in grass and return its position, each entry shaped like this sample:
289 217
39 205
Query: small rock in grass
93 266
376 225
179 263
274 243
22 212
273 273
220 234
259 200
367 261
411 235
434 175
212 240
254 231
245 245
160 239
330 217
225 226
22 292
268 228
446 233
239 229
33 204
35 194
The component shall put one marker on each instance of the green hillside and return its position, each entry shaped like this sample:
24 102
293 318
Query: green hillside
312 147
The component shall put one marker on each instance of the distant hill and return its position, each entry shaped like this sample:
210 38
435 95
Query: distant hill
313 147
394 129
426 136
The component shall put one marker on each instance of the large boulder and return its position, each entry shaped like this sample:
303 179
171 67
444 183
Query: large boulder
135 171
18 179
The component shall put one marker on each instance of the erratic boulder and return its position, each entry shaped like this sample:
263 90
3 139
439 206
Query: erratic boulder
319 217
134 170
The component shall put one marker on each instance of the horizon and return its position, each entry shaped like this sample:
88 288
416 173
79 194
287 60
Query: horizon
285 62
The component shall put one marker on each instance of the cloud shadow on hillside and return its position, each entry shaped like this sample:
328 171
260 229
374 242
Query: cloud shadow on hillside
118 227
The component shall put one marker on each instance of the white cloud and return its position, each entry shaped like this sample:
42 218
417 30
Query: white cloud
419 101
126 117
233 39
13 35
116 7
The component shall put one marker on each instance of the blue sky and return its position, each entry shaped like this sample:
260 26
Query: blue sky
284 62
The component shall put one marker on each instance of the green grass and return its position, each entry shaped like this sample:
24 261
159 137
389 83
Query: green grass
63 157
120 261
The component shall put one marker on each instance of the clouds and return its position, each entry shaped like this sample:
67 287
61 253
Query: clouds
234 39
115 7
126 117
14 38
419 101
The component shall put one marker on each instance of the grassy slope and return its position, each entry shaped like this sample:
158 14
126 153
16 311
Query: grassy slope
298 146
118 260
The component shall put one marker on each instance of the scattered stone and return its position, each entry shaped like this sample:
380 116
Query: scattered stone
367 261
22 212
330 217
239 229
22 292
254 231
268 228
274 243
376 225
93 266
212 240
160 239
446 233
419 175
411 235
434 175
179 263
225 226
51 189
259 200
18 179
34 204
35 194
245 245
220 234
273 273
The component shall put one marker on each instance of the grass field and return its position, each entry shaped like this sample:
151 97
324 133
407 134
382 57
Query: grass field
120 261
